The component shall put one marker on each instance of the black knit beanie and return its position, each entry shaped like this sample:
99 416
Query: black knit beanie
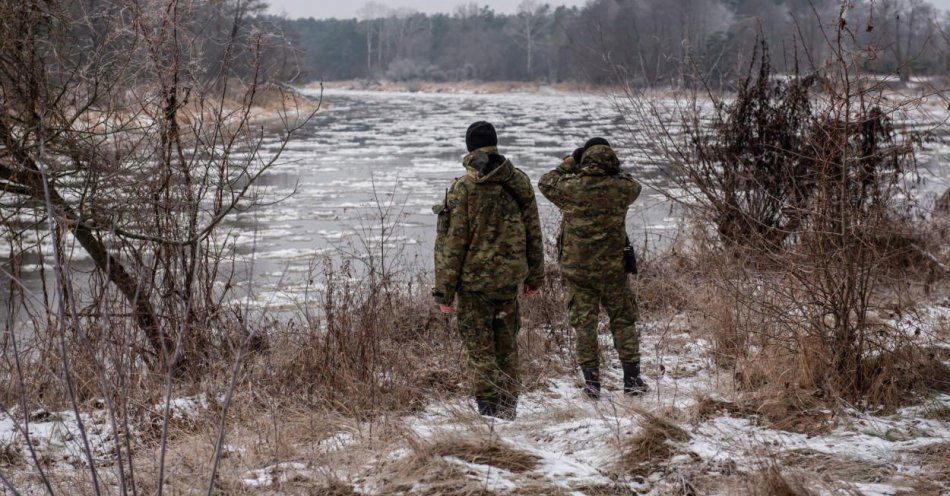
480 135
595 141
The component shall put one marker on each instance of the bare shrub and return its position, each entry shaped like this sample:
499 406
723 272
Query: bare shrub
745 163
812 227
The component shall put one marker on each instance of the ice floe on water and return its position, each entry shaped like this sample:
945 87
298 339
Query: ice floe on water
374 152
395 152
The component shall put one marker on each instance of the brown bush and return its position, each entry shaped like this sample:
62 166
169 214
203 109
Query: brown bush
806 232
775 350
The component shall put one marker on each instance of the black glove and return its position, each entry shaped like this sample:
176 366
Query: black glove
578 155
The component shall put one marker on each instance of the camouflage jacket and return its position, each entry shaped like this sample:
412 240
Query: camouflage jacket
594 197
489 233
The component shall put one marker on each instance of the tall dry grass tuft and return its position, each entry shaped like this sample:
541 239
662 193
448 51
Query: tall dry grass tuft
651 447
668 276
362 353
487 450
772 481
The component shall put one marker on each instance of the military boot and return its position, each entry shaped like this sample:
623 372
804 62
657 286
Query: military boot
487 406
633 385
591 383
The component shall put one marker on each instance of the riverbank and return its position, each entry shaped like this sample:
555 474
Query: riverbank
364 392
934 90
464 87
334 374
694 433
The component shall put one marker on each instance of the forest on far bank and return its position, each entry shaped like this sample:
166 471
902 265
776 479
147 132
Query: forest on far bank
643 42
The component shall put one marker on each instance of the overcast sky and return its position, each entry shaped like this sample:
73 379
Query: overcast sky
348 8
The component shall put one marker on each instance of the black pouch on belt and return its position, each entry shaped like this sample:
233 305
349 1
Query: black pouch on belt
629 258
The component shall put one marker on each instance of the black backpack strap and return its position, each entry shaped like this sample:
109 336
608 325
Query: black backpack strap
514 196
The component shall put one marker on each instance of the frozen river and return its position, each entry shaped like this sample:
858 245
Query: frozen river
399 152
372 152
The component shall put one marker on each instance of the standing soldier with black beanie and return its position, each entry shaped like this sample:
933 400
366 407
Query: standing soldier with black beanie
594 194
489 243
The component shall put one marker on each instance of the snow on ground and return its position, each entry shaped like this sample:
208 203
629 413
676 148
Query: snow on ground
57 439
576 442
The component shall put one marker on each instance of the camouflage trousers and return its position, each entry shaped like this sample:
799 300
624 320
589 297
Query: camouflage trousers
489 325
583 313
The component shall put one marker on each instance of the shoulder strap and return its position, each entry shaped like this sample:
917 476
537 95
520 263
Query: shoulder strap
514 196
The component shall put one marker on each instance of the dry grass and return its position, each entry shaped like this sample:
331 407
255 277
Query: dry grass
836 468
426 475
485 451
370 354
333 488
651 447
780 350
771 481
938 412
667 278
792 411
936 461
405 463
10 455
707 407
934 477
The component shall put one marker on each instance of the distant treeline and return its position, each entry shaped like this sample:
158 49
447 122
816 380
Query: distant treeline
645 41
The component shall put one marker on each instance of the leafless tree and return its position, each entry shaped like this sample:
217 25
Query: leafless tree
141 145
531 22
129 135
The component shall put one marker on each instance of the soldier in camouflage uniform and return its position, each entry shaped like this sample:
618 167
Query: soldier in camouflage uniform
488 243
594 193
